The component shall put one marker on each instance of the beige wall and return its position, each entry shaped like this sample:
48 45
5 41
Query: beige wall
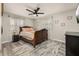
58 24
63 24
6 28
7 33
43 23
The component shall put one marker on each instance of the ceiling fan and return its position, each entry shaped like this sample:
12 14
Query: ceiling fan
35 11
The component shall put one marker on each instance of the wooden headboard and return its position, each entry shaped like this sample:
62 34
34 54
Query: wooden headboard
24 27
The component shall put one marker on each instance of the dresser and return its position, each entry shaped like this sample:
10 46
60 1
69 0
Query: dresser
72 43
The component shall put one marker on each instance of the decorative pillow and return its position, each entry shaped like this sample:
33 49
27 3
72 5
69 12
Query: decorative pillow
24 29
27 29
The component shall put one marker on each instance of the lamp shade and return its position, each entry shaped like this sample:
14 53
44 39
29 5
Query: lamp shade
77 11
77 14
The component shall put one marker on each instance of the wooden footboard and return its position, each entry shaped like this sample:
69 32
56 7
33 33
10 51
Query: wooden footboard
40 36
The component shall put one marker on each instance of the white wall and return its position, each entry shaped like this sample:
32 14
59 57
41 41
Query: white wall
28 22
7 32
6 29
62 24
58 24
43 23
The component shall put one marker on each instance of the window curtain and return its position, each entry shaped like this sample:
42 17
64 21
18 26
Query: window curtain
15 24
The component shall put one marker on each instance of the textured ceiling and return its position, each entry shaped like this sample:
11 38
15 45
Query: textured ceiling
47 8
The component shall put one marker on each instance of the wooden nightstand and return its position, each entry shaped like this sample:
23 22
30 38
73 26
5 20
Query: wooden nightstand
15 38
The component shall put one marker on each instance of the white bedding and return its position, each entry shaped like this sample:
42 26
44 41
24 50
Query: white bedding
28 35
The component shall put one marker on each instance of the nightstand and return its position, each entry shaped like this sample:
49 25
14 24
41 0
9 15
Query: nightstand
15 38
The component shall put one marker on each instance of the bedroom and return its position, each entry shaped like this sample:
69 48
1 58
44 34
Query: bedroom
58 18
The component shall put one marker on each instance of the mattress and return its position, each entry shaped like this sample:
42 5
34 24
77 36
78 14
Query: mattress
28 35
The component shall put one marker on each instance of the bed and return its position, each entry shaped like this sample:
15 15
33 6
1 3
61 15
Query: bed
29 35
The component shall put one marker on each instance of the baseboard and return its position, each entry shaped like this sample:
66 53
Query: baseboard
0 49
6 42
62 41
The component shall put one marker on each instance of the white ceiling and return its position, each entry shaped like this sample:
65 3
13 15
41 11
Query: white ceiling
47 8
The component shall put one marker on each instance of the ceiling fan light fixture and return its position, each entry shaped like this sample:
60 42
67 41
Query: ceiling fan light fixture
34 15
35 12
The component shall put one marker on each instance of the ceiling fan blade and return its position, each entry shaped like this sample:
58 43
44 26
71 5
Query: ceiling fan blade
38 9
29 10
30 14
40 13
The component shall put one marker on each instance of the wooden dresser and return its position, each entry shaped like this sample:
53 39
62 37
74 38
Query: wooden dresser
72 44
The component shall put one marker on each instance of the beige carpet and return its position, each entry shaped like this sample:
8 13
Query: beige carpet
47 48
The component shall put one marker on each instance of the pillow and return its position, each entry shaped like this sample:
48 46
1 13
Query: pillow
27 29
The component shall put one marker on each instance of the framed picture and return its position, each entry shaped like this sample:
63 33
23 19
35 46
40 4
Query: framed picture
69 17
56 21
63 24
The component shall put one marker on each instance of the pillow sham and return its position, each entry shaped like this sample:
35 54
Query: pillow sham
27 29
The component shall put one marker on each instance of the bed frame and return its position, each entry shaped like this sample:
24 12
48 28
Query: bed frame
39 37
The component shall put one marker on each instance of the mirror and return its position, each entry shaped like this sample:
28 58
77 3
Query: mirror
77 14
